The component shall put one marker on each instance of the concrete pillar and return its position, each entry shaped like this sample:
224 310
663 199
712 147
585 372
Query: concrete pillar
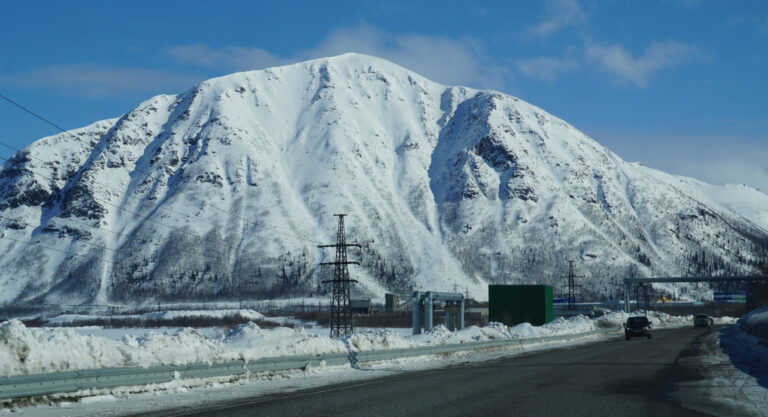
416 318
460 323
626 296
451 317
428 312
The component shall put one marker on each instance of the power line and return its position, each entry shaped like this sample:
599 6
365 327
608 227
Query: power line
117 206
100 259
91 244
147 174
159 208
146 217
54 249
111 249
81 241
32 113
148 179
129 252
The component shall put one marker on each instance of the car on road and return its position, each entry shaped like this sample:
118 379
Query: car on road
703 320
638 326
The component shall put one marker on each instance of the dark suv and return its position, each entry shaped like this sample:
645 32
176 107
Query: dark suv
637 327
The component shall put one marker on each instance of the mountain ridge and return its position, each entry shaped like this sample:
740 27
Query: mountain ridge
446 187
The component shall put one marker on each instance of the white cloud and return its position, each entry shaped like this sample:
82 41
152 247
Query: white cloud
560 14
442 59
713 158
229 57
87 80
613 59
547 68
617 61
756 22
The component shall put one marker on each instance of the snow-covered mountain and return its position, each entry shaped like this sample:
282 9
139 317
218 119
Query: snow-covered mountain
227 189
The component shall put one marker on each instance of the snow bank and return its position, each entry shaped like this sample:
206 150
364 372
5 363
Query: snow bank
38 350
378 339
247 314
252 342
440 335
658 319
756 323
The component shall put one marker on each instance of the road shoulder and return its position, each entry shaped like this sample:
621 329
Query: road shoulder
707 381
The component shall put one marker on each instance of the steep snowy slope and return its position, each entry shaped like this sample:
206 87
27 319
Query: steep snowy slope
226 190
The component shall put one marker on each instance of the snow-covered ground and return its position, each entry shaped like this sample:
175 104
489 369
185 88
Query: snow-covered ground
33 350
64 319
26 350
190 394
734 370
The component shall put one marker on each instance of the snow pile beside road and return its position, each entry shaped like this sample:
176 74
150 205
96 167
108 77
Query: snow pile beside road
658 319
756 323
744 347
39 350
26 350
377 340
252 342
440 335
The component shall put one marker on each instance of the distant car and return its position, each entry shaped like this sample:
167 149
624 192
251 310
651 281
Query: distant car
703 320
638 326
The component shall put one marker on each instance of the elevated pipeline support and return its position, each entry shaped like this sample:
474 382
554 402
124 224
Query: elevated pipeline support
423 306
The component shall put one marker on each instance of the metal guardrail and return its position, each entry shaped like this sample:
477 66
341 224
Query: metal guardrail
389 354
59 382
51 383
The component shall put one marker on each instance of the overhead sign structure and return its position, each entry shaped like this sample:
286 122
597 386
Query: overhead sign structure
733 279
739 297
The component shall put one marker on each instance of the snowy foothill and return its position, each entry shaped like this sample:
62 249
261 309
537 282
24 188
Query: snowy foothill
29 350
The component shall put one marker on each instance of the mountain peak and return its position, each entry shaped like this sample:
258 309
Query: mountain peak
226 190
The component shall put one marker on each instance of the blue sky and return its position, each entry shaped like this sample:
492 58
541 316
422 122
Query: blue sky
679 85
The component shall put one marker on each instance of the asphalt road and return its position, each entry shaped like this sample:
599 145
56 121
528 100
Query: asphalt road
610 378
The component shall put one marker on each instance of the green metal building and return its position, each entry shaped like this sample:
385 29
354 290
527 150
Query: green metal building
515 304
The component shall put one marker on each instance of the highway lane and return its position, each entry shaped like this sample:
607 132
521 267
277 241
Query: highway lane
609 378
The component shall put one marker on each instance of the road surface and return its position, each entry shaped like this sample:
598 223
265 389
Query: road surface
608 378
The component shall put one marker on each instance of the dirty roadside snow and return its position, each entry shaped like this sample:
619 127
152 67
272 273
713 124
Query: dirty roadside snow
733 365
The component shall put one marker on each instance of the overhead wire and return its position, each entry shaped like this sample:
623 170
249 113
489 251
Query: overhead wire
148 175
100 259
146 217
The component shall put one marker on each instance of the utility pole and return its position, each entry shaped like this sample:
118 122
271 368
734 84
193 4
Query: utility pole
572 286
341 313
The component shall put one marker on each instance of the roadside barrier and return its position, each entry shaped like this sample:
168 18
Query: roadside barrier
60 382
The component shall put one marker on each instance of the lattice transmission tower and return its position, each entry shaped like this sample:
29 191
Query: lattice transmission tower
341 313
572 286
